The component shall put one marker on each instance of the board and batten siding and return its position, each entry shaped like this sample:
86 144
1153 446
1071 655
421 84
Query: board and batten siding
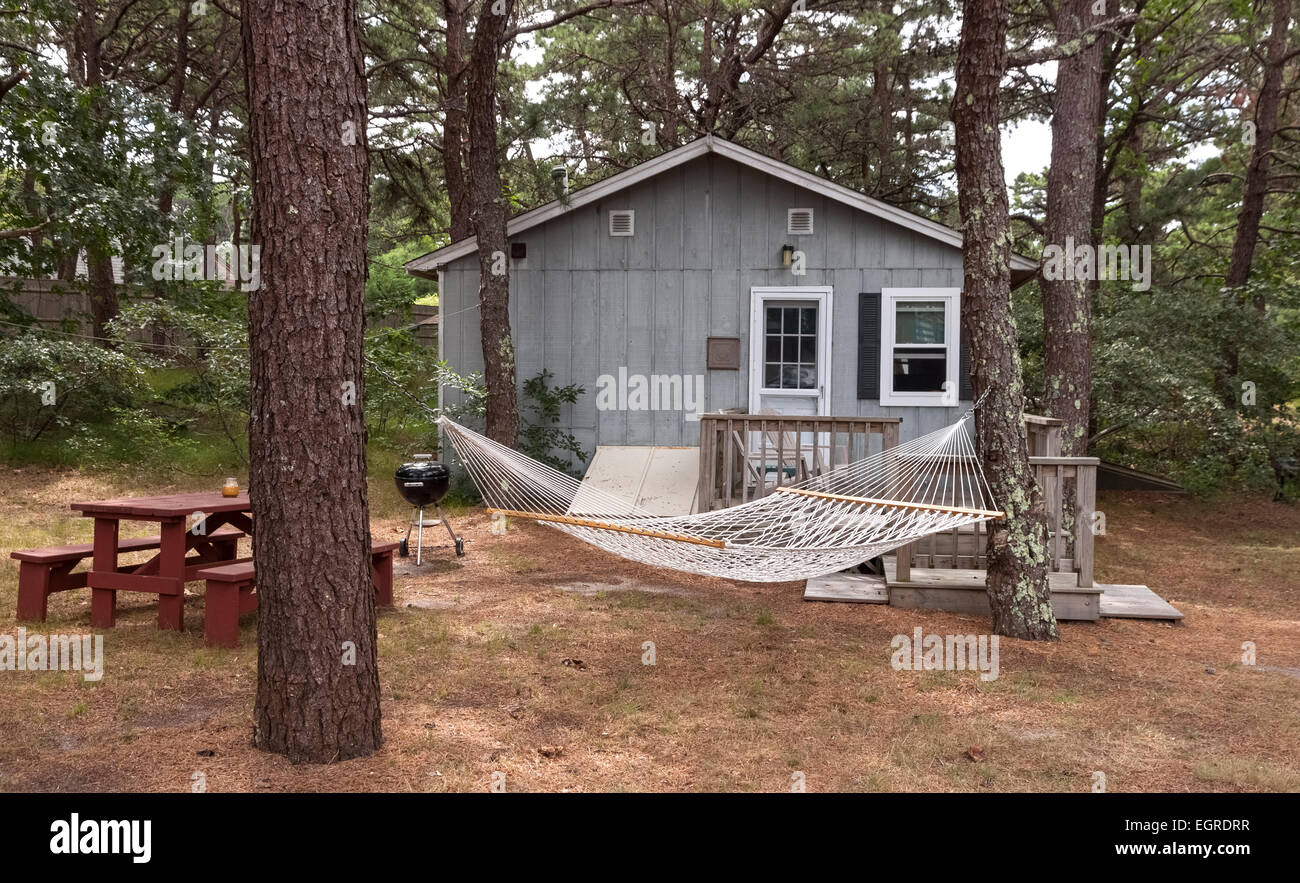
584 303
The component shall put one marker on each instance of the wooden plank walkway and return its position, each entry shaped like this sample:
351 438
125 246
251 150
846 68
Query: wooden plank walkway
1135 602
961 590
855 588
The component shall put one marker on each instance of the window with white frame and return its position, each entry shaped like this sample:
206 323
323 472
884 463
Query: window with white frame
919 352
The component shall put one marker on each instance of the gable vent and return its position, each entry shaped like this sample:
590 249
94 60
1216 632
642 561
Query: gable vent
799 221
622 222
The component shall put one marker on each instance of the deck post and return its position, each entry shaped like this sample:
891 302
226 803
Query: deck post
704 492
1085 502
903 554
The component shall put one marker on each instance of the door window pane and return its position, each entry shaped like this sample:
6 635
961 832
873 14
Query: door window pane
790 347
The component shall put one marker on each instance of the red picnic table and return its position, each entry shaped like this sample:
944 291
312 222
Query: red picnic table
167 572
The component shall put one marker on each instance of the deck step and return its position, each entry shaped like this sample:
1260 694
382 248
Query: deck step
1135 602
855 588
963 591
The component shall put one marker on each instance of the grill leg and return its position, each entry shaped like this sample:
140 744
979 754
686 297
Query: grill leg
455 540
419 538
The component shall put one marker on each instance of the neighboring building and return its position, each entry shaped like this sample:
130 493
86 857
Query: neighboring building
677 266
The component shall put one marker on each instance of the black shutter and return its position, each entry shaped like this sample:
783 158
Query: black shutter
869 345
966 392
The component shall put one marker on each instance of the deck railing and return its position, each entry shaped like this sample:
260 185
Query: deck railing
747 456
1069 486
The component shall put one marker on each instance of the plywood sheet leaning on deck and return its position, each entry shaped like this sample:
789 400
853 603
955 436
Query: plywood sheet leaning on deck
660 479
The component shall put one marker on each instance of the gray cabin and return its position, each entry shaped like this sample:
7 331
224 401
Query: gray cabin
713 278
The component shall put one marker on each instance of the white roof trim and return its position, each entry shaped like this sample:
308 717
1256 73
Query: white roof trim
429 263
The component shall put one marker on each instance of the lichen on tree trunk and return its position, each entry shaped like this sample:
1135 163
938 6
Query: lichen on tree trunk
1017 548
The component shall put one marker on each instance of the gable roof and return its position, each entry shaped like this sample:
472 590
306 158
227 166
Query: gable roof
1022 267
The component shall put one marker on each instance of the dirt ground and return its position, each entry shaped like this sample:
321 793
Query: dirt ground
525 658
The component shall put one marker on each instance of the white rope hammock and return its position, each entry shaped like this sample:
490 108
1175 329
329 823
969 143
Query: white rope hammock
815 527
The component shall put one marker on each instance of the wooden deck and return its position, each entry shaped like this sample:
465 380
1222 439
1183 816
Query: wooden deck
962 590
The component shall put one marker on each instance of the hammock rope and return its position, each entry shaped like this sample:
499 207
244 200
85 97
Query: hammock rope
823 524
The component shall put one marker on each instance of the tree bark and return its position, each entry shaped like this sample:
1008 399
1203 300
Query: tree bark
88 72
488 217
885 134
317 674
1067 303
1256 187
1017 567
1254 192
167 195
453 125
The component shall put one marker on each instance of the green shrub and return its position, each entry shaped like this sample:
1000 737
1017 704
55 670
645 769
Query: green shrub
50 386
539 437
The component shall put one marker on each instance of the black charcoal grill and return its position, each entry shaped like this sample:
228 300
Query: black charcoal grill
421 483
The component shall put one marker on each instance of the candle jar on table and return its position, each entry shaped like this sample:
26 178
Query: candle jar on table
230 488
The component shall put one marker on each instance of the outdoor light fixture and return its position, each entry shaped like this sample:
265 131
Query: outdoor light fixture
787 255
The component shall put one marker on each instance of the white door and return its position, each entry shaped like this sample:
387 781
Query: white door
789 363
789 352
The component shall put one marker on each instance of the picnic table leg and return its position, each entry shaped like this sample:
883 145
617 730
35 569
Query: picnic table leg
103 602
221 614
171 563
381 574
33 580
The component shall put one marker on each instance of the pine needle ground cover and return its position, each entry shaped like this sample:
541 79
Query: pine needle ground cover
526 658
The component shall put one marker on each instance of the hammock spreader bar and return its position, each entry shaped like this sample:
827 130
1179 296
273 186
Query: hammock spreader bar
895 504
617 528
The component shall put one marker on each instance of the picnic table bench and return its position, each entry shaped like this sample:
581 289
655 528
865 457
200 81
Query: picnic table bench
232 592
42 572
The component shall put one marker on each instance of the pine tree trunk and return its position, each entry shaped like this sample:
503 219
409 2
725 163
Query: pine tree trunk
1266 124
1266 112
167 195
1017 568
1067 303
488 216
103 289
1252 204
88 72
317 678
453 127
